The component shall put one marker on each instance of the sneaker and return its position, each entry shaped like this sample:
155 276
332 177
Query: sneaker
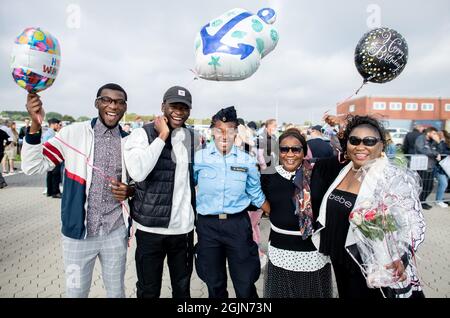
442 204
57 196
426 206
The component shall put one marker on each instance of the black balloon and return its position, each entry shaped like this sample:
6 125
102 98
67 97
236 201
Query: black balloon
381 55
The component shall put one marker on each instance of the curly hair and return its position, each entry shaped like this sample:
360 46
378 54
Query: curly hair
357 121
294 132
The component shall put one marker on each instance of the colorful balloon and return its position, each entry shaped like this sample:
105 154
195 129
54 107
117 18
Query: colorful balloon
381 55
35 60
231 47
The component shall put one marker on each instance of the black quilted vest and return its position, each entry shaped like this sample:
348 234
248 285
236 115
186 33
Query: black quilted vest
152 202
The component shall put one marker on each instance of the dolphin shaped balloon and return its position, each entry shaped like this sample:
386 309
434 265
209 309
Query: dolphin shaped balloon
230 47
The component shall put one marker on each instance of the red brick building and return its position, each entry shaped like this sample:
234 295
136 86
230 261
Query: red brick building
401 112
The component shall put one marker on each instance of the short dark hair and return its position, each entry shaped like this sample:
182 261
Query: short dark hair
52 121
294 132
429 129
357 121
252 125
114 87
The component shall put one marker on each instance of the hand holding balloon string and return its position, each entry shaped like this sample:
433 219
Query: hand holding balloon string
120 190
36 111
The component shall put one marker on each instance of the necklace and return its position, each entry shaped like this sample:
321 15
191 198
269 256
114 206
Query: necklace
284 173
356 170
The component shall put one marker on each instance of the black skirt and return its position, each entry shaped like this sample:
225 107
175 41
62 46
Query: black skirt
282 283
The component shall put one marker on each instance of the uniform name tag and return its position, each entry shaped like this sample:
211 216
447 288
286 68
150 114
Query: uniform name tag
240 169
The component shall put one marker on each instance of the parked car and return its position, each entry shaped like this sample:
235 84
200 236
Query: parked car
397 130
398 137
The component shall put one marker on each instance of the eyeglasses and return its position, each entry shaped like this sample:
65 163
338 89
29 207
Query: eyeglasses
295 150
367 141
105 100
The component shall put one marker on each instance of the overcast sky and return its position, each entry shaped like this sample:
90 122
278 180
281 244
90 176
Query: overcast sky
148 46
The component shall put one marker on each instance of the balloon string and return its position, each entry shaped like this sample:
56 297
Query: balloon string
365 81
354 94
103 174
196 77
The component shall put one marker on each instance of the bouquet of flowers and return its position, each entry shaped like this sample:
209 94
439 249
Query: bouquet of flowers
375 228
381 223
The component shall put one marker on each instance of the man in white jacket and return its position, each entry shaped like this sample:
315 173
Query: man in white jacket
159 158
95 220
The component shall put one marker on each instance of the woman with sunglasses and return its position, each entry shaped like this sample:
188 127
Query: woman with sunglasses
295 268
338 186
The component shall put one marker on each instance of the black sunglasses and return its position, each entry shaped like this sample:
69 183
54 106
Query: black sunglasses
367 141
295 150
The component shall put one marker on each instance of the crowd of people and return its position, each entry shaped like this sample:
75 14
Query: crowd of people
435 145
160 181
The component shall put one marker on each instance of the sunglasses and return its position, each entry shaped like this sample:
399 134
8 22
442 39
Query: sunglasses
295 150
367 141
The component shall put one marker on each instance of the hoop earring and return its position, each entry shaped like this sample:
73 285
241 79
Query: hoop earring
345 156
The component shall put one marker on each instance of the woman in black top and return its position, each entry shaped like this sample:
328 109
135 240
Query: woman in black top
335 188
295 268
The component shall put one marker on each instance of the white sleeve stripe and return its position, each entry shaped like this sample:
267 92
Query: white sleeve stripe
54 154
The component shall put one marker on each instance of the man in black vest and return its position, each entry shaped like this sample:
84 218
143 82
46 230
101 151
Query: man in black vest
159 158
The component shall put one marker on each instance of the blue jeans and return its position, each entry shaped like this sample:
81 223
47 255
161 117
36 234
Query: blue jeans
441 186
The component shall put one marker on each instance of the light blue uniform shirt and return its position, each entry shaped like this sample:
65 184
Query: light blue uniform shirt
226 184
49 134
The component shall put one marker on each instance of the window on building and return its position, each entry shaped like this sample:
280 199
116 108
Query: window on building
351 108
379 105
411 106
427 107
447 107
395 106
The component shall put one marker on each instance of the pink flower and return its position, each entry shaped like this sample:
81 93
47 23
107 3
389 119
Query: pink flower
370 215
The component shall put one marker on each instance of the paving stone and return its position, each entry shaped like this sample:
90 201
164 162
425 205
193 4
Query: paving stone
31 263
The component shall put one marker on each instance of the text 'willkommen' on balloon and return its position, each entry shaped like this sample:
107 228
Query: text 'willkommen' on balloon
35 60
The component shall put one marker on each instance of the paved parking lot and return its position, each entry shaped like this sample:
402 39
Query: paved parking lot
31 262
